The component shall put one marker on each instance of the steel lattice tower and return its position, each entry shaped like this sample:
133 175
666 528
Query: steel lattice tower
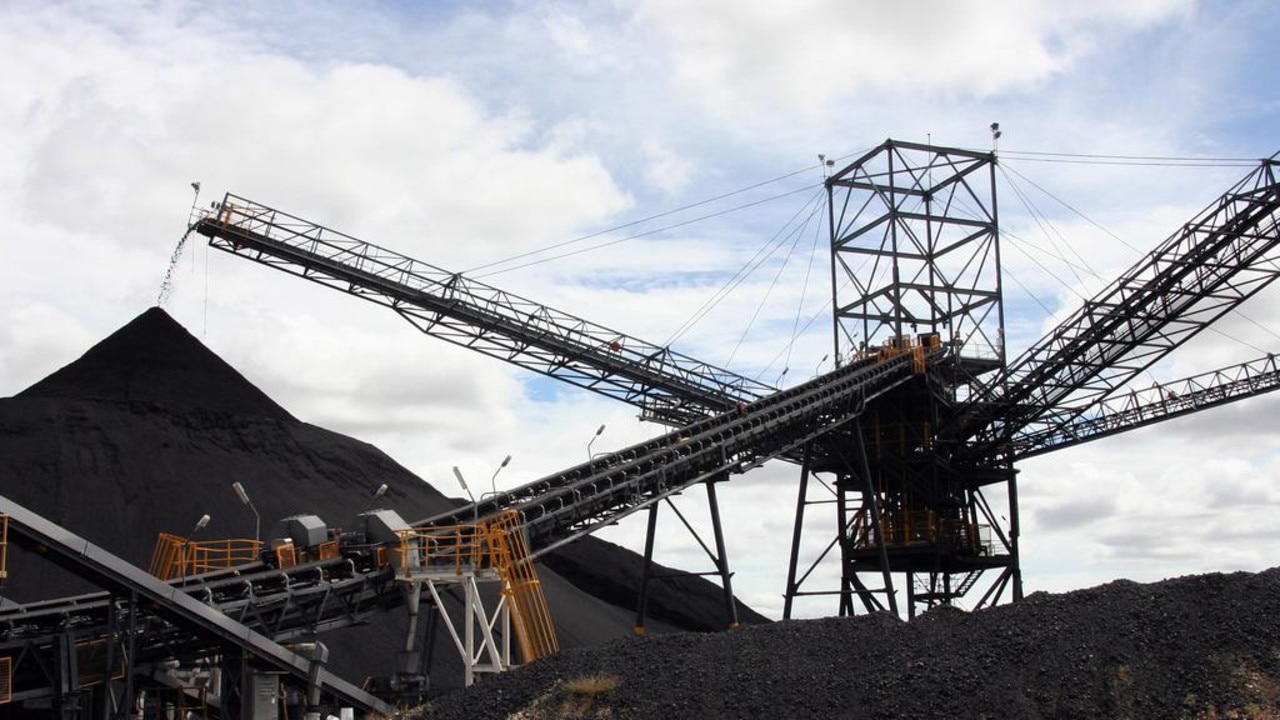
915 260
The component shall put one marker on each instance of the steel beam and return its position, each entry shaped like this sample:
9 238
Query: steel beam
668 386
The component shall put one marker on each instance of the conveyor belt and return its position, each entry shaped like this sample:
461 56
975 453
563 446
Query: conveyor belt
561 508
179 611
668 386
555 511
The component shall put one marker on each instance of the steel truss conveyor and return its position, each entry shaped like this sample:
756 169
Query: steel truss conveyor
668 387
149 619
282 604
1228 253
1149 405
253 606
563 507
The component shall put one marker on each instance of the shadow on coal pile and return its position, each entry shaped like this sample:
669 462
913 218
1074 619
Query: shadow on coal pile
1198 648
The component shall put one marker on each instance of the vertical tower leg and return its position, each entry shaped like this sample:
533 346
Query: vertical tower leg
874 504
788 597
848 578
642 597
1015 562
722 558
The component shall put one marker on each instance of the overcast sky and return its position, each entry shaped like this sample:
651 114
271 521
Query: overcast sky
468 134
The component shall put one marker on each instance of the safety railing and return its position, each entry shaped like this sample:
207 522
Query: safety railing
921 528
499 544
916 347
509 553
455 548
175 556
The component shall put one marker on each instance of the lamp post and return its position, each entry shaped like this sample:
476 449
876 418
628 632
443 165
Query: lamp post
463 482
599 432
819 365
244 498
204 520
191 545
493 481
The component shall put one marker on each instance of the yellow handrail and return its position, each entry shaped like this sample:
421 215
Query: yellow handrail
177 556
499 544
460 547
509 548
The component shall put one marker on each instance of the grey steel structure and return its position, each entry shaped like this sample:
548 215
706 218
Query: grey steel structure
140 618
914 237
915 431
915 257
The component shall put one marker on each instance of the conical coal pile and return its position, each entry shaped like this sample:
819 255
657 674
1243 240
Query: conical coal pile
148 431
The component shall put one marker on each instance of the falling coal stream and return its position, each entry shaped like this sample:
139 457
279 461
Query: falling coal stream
167 284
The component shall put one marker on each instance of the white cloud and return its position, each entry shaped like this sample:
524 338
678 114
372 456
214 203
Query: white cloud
463 136
804 52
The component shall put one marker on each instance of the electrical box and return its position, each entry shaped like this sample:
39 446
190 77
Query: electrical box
306 531
380 526
263 702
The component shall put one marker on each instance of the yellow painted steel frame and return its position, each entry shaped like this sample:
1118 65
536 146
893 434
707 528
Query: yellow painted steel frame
498 543
6 680
509 550
177 556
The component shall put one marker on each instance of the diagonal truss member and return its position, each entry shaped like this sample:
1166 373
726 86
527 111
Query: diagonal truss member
1223 256
1140 407
669 387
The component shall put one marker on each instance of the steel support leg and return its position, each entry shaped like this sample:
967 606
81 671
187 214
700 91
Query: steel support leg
846 564
1015 562
788 597
105 697
128 701
642 597
911 595
874 503
722 557
67 700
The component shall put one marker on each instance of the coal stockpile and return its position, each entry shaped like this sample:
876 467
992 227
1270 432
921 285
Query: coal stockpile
1202 647
148 430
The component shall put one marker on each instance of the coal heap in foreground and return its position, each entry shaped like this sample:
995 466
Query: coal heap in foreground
1200 648
148 430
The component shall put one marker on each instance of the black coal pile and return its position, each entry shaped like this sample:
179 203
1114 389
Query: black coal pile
1203 647
149 429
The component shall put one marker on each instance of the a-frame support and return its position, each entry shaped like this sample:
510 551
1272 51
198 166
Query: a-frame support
493 653
853 477
719 557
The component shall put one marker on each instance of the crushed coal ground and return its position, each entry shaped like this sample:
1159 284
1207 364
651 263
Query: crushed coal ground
1201 647
148 430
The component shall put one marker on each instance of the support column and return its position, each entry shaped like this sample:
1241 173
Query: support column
792 587
642 598
128 701
847 581
67 700
1015 561
104 698
874 504
410 681
722 558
